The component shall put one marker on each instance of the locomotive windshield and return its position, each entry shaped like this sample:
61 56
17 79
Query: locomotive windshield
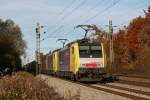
92 51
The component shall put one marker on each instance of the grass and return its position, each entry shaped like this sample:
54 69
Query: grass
24 86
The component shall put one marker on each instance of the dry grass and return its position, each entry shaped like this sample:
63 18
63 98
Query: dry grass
24 86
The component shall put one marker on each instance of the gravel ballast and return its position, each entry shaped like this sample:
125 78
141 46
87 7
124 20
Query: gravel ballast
69 89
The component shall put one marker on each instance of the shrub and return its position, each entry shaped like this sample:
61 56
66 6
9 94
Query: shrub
24 86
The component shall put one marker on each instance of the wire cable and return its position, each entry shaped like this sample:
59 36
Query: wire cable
62 12
107 8
69 13
99 13
89 10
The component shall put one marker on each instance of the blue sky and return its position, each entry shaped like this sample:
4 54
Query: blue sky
59 17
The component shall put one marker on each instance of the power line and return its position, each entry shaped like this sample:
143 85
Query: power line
107 8
98 12
68 6
70 12
56 30
55 37
61 13
92 8
83 2
95 6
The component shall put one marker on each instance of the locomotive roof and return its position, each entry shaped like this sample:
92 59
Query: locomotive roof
80 41
56 50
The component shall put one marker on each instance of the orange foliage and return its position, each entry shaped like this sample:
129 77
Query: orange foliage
132 46
133 31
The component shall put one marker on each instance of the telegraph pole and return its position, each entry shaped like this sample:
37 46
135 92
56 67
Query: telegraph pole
37 52
111 44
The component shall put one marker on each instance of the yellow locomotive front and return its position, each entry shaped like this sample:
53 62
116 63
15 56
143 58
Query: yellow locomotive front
87 60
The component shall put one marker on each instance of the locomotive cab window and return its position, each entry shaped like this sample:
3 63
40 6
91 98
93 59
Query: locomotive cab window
84 51
90 51
96 51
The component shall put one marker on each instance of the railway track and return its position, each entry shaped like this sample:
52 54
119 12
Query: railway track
139 76
129 93
137 81
134 83
124 92
121 91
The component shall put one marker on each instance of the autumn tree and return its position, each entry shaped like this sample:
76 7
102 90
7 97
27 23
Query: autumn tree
120 51
12 46
137 30
143 63
132 46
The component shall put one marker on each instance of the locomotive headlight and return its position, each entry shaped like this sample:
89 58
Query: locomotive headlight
91 56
